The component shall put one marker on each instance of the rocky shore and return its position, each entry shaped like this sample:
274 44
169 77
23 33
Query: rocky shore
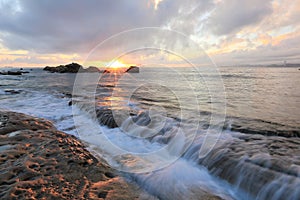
39 162
255 163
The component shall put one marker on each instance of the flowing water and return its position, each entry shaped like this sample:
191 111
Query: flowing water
179 132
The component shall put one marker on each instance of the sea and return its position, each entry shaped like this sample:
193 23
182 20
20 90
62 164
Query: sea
178 131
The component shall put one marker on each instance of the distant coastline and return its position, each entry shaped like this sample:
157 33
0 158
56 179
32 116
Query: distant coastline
287 65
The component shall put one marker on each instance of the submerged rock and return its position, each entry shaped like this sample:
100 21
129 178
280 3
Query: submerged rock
17 73
8 91
39 162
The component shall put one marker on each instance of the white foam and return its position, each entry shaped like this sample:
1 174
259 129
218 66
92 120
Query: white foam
43 105
123 151
179 179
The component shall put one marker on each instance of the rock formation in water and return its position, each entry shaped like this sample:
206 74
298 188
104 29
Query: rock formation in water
91 69
15 73
75 68
133 69
39 162
267 167
106 118
71 68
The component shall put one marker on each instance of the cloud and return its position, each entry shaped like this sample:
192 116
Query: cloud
266 53
69 26
229 28
232 15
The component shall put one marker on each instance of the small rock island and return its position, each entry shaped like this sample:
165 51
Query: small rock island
133 69
71 68
77 68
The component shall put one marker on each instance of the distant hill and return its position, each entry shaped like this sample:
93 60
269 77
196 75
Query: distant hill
287 65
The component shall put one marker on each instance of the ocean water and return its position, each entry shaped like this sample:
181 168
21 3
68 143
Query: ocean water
176 124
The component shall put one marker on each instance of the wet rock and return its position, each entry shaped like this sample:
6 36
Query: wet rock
106 117
17 73
40 162
67 94
257 126
258 164
13 91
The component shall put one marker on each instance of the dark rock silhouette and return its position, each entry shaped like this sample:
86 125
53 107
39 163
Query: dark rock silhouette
71 68
13 91
133 69
105 117
75 68
17 73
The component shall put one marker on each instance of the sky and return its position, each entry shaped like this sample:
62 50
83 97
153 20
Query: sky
230 32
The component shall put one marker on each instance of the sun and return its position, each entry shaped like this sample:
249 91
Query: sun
116 64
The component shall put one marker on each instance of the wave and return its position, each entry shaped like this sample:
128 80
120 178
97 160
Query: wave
240 166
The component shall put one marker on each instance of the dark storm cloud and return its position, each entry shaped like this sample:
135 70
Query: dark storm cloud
232 15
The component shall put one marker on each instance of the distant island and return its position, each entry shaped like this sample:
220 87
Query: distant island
133 69
71 68
75 68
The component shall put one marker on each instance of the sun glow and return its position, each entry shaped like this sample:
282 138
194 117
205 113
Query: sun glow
116 64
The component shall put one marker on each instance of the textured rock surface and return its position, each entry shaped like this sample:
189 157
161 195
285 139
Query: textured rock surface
106 117
267 167
39 162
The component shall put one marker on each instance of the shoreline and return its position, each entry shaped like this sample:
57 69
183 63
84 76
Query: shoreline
38 161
